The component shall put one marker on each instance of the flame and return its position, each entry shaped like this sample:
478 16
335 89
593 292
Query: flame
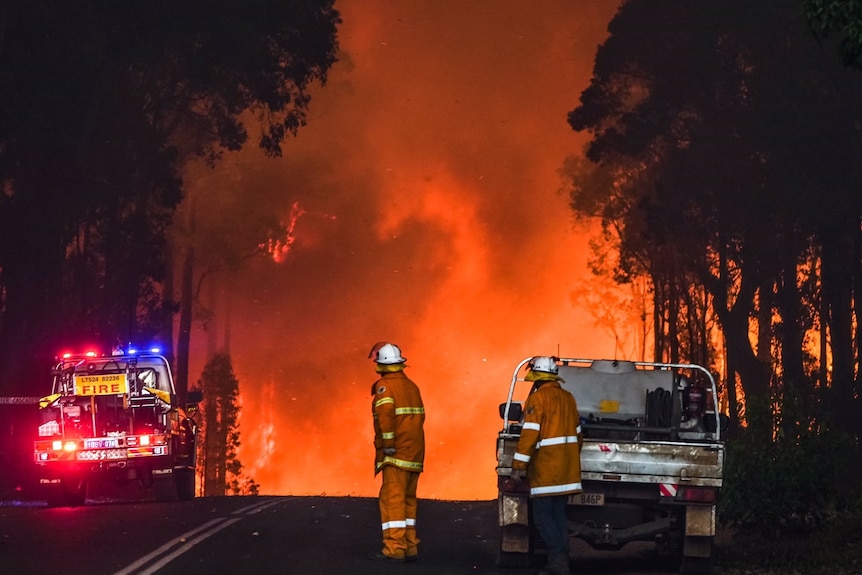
436 143
278 247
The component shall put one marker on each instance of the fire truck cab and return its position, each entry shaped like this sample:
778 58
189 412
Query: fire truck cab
115 416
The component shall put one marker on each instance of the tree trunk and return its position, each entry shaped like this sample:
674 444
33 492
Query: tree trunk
213 454
181 376
187 293
734 320
838 268
213 287
167 334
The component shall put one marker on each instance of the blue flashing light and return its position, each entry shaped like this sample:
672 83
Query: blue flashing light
135 351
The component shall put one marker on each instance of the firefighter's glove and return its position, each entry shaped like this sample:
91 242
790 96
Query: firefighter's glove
388 451
518 474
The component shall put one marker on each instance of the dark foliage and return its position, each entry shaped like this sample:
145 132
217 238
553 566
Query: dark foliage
101 103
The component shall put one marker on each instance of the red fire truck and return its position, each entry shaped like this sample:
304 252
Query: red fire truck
115 417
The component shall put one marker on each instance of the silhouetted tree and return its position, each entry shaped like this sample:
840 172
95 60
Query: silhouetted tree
101 104
840 21
221 469
720 141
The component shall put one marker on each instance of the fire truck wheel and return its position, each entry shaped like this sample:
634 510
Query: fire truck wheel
63 495
510 560
696 566
166 488
185 484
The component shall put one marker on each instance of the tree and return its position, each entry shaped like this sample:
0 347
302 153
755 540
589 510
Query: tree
842 284
221 468
841 19
101 104
721 139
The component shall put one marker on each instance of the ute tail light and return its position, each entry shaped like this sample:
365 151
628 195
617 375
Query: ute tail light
508 485
697 494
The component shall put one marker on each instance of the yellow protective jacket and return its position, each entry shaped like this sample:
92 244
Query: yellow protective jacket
550 444
399 419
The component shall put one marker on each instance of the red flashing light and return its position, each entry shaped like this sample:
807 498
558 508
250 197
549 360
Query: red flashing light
89 353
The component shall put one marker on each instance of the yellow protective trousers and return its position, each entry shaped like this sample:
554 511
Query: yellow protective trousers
398 512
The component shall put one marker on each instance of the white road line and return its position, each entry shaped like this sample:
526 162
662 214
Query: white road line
164 548
168 558
191 538
258 507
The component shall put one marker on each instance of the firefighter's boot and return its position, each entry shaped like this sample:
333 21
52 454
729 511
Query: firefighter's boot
558 564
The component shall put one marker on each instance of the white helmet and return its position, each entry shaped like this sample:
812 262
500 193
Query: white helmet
387 354
545 364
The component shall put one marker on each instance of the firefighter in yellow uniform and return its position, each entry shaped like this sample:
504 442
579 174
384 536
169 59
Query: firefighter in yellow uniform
549 454
399 442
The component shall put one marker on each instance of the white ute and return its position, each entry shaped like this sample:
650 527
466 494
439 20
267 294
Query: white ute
652 461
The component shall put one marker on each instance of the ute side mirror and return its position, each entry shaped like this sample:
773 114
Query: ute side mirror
723 422
516 411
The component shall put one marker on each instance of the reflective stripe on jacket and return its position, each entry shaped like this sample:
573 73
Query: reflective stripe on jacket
550 444
399 419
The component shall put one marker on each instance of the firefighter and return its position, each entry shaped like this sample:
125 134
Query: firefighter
399 442
549 455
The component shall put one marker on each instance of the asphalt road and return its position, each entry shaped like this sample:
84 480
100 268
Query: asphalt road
264 535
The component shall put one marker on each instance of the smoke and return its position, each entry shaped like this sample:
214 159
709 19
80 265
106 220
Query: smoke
423 197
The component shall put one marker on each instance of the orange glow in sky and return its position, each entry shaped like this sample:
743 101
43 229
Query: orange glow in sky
434 149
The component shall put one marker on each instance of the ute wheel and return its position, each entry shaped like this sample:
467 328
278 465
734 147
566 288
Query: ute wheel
185 484
696 555
166 488
513 559
696 566
510 560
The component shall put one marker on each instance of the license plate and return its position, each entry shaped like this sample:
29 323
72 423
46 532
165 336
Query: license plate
596 499
102 443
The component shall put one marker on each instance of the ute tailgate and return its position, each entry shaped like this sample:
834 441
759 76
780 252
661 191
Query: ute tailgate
655 462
